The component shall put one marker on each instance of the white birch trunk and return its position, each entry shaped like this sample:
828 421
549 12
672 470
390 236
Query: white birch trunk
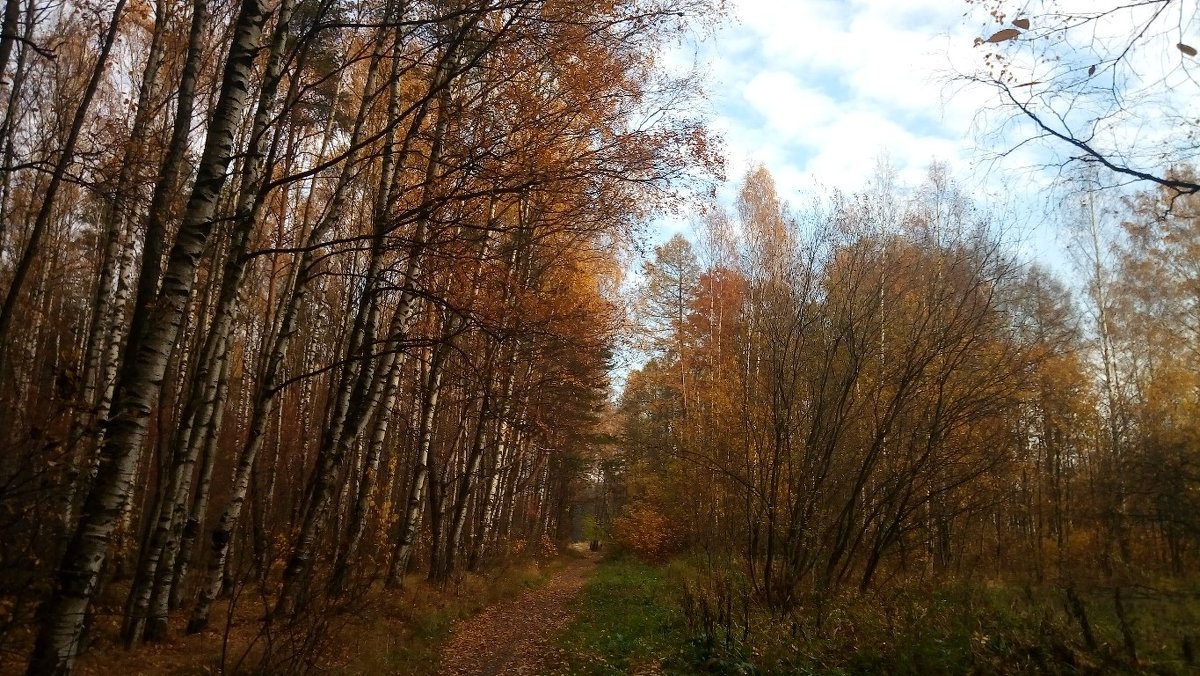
78 574
154 578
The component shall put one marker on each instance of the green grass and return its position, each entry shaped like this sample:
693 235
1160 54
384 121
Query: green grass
689 618
629 622
978 629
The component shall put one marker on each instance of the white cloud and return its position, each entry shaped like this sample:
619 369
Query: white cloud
789 107
818 90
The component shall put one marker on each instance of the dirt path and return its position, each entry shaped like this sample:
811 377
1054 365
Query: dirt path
515 637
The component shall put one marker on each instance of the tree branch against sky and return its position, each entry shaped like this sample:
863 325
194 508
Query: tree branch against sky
1107 84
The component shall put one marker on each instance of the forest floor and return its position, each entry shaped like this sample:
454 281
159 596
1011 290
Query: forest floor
575 614
687 616
517 636
502 621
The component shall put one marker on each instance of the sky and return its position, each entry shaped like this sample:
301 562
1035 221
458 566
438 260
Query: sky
820 91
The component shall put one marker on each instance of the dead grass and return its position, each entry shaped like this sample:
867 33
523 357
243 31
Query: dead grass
403 633
383 631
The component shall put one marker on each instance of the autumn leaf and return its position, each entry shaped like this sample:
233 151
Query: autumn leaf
1003 35
1021 23
1186 49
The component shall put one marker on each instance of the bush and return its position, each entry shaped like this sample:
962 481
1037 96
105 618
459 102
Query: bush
644 532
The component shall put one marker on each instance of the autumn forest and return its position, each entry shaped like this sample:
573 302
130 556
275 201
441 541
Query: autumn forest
329 327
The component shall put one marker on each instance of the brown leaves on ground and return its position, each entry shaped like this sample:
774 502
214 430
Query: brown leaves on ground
516 636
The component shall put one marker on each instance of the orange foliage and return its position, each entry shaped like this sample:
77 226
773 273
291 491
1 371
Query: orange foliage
645 532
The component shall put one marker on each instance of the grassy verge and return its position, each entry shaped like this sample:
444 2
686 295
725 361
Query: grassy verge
983 628
686 618
629 622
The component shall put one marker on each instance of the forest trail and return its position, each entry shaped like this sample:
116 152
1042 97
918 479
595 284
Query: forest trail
514 637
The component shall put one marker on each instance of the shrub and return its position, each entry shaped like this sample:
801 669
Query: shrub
644 532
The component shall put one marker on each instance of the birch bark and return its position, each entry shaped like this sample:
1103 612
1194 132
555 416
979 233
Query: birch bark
66 156
78 573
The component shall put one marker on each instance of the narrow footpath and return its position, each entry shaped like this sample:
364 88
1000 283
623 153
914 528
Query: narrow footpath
517 636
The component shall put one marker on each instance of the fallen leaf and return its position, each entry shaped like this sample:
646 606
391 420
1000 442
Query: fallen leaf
1186 49
1021 23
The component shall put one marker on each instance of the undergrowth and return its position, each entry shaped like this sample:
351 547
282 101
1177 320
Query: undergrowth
629 622
695 617
403 633
381 632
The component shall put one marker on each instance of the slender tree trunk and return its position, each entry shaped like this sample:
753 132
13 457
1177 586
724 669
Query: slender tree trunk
66 157
99 371
260 416
436 498
190 530
78 574
8 34
358 516
411 520
347 407
263 408
357 397
108 299
491 507
166 186
466 486
155 576
385 199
